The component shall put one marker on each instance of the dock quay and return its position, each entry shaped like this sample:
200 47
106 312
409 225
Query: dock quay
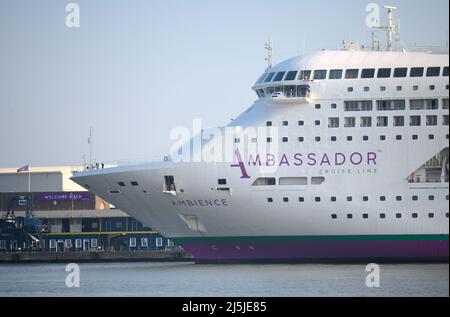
103 256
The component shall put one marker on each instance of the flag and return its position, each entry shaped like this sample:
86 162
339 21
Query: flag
25 168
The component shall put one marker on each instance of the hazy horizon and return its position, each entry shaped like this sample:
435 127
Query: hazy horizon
135 70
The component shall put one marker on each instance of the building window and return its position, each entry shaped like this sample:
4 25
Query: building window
431 120
399 121
159 242
349 122
382 121
78 243
144 242
68 243
391 105
94 243
423 104
366 122
333 122
445 120
358 105
414 121
132 242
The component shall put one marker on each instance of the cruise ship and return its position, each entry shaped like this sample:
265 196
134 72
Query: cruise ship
343 157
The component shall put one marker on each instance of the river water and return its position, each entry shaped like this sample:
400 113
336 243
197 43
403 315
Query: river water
189 279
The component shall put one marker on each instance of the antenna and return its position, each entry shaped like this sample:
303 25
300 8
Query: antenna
392 28
91 144
269 49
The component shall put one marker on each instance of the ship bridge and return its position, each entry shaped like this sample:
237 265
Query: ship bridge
300 78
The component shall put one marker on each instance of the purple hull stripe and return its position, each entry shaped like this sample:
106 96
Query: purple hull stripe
411 249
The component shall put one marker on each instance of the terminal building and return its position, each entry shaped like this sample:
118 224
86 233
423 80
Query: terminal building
71 219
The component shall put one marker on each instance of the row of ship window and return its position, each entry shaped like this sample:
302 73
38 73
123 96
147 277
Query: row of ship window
366 73
350 199
398 215
398 137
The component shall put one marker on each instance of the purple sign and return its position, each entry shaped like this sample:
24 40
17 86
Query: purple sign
63 196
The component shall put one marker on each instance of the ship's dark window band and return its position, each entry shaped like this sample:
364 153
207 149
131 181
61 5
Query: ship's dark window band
384 73
433 71
269 77
368 73
400 72
416 72
320 74
335 74
351 73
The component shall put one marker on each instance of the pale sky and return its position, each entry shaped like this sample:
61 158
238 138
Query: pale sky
136 69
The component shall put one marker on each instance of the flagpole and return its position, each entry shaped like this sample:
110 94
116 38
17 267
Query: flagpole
29 180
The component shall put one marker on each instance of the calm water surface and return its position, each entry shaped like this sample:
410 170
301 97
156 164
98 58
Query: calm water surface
188 279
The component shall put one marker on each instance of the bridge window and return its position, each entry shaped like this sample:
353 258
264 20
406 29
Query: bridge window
351 73
265 181
304 75
260 80
291 75
384 73
320 74
279 76
269 77
416 72
433 71
400 72
335 74
368 73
